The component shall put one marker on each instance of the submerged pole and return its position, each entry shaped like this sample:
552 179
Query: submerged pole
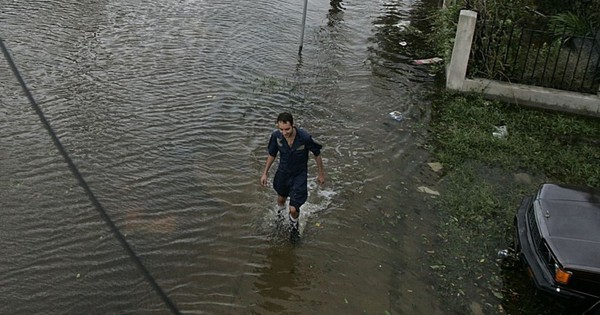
303 24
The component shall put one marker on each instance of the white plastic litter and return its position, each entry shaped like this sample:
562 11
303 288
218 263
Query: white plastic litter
396 115
501 132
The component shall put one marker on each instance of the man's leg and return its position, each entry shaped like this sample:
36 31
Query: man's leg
280 205
294 232
294 214
298 196
281 201
282 188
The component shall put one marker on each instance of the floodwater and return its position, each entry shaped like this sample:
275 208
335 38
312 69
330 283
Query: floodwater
165 107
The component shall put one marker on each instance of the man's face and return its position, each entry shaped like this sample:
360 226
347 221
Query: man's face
286 128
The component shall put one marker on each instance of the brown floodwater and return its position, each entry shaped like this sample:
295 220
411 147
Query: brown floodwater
165 107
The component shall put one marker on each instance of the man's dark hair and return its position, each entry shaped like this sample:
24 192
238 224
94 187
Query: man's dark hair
285 117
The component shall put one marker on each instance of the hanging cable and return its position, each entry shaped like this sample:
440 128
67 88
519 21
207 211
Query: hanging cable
85 186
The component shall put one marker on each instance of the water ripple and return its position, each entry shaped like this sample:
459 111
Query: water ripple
166 108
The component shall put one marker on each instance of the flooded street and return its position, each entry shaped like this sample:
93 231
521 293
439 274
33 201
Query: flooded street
165 108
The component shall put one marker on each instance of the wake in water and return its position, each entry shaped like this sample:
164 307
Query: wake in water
277 227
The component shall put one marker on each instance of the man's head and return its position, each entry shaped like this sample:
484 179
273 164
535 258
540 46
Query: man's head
285 117
285 123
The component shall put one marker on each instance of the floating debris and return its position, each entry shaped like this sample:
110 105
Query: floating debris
427 61
500 131
428 190
503 253
396 115
435 166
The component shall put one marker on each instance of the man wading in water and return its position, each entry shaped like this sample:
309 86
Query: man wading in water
291 177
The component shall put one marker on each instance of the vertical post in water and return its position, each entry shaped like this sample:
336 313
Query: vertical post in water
303 24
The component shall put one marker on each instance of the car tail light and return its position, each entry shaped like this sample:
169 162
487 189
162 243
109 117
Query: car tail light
561 276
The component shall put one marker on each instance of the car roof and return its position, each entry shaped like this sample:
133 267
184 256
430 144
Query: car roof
569 220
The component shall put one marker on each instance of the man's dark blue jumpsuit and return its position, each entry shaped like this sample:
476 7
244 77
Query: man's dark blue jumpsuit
291 176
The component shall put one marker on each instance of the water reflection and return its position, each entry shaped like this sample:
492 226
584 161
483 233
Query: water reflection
336 6
137 220
335 13
279 279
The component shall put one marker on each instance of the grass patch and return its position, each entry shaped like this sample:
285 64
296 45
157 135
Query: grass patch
564 147
485 179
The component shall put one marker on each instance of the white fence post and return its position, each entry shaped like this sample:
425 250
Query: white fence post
457 69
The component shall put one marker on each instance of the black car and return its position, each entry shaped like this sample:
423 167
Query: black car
558 239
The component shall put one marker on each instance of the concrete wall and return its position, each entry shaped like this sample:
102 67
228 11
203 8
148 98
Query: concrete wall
527 95
534 96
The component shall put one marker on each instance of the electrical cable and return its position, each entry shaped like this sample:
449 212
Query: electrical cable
85 186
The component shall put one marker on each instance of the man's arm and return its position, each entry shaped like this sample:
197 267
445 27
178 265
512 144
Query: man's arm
321 176
265 174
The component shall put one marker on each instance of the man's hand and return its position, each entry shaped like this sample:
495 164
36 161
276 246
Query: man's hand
263 180
321 176
321 179
263 177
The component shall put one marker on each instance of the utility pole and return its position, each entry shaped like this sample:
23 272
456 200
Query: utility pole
303 24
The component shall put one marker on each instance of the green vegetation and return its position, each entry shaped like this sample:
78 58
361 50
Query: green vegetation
485 178
517 42
581 18
564 147
572 24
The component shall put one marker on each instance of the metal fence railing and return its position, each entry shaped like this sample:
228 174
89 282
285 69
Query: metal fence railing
547 58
